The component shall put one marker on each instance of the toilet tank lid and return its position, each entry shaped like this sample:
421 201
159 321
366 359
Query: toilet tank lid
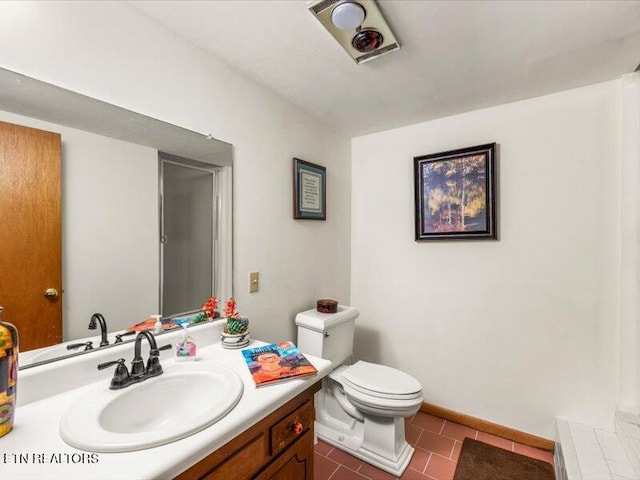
321 322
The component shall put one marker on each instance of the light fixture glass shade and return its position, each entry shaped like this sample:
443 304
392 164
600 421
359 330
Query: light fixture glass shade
348 16
367 40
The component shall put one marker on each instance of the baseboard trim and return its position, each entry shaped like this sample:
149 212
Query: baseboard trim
489 427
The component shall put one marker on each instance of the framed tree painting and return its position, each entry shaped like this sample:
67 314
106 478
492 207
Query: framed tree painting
455 195
309 190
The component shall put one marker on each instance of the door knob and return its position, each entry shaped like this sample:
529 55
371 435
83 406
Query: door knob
51 293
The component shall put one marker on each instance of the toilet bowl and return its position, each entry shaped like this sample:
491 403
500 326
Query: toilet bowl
361 407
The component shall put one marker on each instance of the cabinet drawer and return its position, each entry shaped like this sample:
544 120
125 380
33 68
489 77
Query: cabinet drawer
291 427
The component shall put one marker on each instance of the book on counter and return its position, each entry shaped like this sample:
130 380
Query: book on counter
277 362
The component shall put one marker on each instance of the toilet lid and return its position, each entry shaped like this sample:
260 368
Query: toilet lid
381 381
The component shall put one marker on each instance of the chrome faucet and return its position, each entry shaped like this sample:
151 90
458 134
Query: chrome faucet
103 327
122 377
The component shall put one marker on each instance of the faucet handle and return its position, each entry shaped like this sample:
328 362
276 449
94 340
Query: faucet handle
153 364
121 377
86 345
155 352
120 335
102 366
164 347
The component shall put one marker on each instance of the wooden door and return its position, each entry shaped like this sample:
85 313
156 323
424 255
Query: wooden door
30 233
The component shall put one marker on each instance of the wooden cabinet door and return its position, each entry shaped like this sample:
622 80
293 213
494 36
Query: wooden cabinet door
295 464
30 233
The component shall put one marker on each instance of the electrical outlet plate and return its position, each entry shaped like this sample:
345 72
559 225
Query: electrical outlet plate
254 282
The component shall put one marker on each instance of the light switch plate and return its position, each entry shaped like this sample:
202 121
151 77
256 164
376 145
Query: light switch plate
254 282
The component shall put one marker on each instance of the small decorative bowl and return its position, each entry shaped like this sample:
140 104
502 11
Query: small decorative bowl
235 340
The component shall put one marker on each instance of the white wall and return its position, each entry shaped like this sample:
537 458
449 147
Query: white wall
516 331
110 257
111 52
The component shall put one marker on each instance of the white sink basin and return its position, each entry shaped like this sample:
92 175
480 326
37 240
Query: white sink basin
185 399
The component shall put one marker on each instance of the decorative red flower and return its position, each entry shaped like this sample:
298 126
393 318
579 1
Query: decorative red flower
210 307
230 309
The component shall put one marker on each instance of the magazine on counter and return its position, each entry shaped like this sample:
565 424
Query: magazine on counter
277 362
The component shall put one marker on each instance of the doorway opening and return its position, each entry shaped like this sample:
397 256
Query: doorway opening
189 219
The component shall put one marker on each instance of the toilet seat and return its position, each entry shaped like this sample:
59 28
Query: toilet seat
370 403
373 393
381 381
381 390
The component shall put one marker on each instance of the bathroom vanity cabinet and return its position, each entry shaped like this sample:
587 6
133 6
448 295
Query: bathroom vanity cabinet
278 447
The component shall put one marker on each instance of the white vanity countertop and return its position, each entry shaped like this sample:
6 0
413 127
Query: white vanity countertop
34 449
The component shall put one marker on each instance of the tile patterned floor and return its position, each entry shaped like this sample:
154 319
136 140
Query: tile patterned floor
437 442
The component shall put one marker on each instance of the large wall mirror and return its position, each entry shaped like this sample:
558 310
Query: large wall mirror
144 223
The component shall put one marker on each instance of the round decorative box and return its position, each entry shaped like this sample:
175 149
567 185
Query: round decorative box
327 306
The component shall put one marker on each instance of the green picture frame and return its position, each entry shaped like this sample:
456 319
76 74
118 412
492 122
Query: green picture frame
309 191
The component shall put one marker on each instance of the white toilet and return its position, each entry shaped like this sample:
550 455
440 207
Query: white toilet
361 407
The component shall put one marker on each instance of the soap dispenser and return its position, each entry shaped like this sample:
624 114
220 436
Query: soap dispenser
186 347
157 326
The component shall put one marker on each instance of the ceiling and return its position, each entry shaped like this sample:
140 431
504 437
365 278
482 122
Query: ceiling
454 56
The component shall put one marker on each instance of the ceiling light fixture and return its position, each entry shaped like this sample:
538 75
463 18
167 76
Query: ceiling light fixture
348 16
358 26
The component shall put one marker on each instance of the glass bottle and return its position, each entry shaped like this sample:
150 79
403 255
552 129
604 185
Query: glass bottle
8 374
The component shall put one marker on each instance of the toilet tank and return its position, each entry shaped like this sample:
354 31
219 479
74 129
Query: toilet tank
327 335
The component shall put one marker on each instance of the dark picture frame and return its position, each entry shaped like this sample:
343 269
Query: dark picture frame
455 194
309 191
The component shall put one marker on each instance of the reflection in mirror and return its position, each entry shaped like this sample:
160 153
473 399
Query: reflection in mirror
188 216
111 259
81 346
